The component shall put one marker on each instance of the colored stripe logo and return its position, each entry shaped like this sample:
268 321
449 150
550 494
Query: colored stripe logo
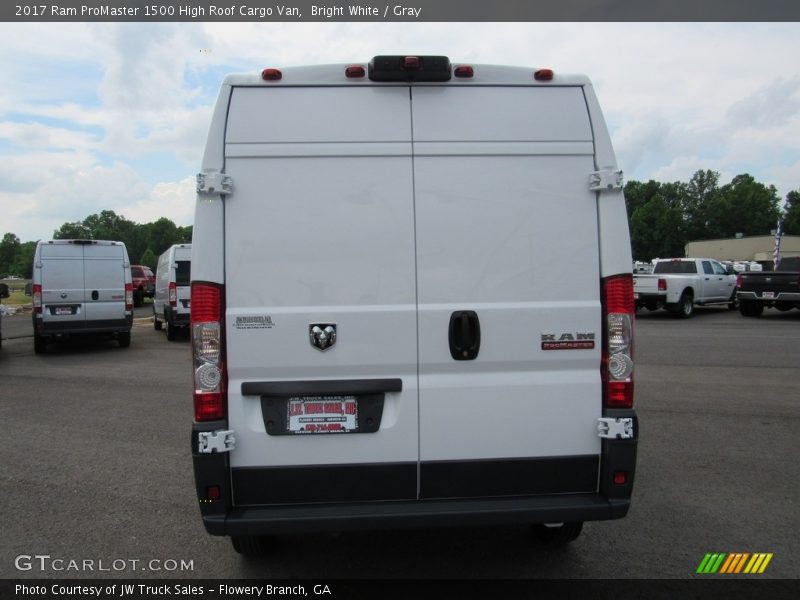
734 563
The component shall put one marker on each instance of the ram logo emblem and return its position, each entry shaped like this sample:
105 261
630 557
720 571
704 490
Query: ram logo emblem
322 335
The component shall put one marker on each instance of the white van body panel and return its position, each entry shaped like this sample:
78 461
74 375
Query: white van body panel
173 268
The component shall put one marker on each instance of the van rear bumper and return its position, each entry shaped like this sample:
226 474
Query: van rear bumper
410 514
43 327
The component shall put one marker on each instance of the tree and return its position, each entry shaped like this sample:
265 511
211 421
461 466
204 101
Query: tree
8 253
657 230
791 216
149 259
23 264
743 206
161 235
700 192
72 231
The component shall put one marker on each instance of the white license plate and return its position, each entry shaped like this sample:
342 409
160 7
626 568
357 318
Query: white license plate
323 414
65 310
768 295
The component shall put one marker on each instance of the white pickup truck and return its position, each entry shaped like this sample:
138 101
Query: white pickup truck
678 284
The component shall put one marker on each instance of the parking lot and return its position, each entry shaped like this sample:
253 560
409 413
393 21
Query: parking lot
96 466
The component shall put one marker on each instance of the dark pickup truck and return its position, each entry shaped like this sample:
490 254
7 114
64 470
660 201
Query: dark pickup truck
757 289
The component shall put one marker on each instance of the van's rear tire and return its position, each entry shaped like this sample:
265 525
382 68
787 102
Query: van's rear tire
124 339
250 545
560 535
156 322
39 344
172 332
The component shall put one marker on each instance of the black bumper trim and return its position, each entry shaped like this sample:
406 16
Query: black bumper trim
324 483
509 477
433 513
316 388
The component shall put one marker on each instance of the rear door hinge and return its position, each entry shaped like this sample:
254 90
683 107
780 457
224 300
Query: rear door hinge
605 180
615 429
214 183
209 442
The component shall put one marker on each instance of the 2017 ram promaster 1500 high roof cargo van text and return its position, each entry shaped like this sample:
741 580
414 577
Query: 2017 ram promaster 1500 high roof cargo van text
382 335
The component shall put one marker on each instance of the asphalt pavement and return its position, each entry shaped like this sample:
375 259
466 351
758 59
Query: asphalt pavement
96 467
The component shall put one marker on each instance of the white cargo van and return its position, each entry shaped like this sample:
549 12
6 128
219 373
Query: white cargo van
171 299
383 332
81 287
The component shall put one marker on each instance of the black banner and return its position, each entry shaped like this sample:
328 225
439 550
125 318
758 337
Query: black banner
337 589
399 11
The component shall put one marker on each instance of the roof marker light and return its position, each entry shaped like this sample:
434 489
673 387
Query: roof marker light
355 71
271 74
463 71
543 75
411 62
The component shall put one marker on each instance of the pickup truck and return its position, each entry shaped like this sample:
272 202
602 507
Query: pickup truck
778 289
678 284
144 283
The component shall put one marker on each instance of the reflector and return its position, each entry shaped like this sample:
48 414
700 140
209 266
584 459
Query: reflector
271 74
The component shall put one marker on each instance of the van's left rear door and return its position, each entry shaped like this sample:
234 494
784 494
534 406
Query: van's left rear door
320 234
63 292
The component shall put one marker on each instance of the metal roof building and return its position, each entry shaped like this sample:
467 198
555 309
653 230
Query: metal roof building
750 248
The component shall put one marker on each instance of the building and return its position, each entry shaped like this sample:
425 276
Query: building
748 248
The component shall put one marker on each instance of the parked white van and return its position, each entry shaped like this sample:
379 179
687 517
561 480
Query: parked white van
383 332
171 299
81 287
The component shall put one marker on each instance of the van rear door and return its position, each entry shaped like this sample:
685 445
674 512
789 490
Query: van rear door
63 291
104 274
507 264
320 240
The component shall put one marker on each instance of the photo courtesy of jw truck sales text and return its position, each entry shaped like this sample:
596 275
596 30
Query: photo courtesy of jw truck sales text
370 353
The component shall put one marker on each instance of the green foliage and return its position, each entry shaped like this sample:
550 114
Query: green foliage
149 259
8 252
665 216
154 237
791 217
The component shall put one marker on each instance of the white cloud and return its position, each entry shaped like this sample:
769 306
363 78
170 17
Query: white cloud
98 98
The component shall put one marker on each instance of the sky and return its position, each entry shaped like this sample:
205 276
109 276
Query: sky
97 116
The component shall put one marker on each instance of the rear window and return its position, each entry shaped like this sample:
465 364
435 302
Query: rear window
678 266
183 272
137 272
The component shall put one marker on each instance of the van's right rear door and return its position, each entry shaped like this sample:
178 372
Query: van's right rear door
509 291
320 234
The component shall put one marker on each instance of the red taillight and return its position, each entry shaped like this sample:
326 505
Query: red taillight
355 71
128 296
37 298
620 477
617 361
463 71
662 285
271 74
543 75
739 281
206 316
173 294
411 62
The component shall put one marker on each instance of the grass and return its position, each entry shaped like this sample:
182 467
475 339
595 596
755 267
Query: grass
16 288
